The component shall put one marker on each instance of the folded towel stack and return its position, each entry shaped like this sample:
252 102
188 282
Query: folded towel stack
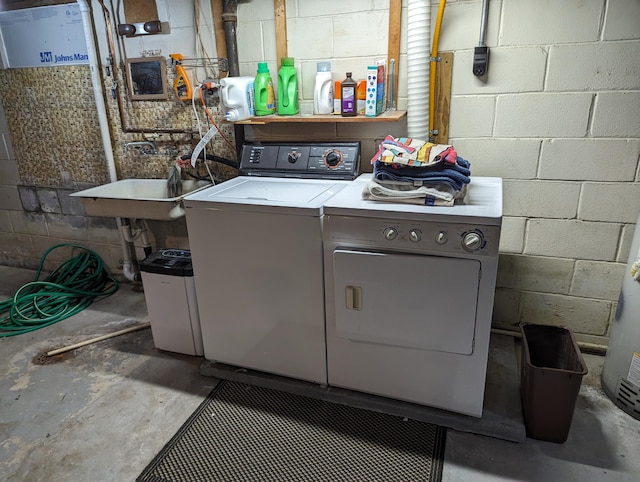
417 172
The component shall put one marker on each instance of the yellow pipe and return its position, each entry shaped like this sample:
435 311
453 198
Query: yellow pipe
432 70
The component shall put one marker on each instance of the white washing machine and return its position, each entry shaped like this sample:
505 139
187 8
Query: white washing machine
256 246
409 295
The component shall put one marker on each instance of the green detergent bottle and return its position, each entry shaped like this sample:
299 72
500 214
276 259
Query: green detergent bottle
287 88
263 87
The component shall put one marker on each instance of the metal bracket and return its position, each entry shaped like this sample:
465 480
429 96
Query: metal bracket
435 59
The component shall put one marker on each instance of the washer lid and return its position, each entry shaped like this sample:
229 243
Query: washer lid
483 203
302 196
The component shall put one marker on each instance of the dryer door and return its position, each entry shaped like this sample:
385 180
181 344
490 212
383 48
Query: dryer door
406 300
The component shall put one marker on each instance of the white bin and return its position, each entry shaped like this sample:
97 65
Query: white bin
169 290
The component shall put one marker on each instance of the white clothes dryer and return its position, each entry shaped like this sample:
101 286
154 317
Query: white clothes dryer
409 295
256 246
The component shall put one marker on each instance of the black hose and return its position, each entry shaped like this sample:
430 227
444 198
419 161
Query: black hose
214 158
196 177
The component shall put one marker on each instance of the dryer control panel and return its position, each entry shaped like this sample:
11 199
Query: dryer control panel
429 237
319 160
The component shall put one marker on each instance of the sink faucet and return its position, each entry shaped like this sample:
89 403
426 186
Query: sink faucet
143 147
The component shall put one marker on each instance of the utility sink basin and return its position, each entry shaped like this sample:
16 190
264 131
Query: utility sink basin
137 199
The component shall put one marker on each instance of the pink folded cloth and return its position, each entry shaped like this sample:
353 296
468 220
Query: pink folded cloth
407 151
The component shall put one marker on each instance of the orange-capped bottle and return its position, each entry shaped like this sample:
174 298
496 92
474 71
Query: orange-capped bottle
337 99
361 96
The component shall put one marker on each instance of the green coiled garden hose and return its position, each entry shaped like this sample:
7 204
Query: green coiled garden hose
69 289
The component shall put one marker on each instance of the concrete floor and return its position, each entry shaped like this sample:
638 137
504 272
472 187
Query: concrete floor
103 411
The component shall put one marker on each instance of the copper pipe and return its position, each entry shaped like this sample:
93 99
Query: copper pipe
116 90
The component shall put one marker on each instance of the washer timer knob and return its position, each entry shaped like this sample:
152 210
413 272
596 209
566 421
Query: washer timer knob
415 235
390 234
333 158
472 241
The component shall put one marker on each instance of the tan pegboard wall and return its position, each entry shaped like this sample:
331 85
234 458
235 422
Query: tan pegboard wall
53 122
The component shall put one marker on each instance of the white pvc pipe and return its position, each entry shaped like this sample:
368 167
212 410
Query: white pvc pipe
98 92
105 133
418 61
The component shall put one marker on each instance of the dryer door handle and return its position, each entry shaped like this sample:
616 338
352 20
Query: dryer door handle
353 298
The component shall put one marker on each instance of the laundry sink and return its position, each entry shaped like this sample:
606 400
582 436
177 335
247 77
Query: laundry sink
137 199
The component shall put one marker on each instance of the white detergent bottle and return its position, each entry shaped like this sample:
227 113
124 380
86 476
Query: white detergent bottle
323 91
236 94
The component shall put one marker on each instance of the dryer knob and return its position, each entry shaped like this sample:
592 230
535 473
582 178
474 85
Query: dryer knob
415 235
293 156
390 233
441 237
472 241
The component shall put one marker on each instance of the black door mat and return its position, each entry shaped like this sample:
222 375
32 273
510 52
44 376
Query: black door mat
243 432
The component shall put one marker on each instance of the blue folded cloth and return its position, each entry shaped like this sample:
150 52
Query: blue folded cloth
455 175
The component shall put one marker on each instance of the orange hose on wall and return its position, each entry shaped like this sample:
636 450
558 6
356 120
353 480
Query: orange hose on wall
432 70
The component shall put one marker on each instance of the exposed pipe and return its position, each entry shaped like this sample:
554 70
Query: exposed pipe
129 269
418 36
483 23
98 93
432 72
230 21
116 90
584 346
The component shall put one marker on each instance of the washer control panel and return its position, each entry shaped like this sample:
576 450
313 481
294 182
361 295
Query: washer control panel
425 236
322 160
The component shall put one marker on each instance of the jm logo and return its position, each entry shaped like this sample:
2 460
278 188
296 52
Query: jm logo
46 57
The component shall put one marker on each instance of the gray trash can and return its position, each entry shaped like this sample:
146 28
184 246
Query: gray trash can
552 368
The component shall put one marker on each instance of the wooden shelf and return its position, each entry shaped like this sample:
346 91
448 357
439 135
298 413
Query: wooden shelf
387 116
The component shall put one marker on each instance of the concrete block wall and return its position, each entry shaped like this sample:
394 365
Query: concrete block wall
560 122
557 117
32 219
